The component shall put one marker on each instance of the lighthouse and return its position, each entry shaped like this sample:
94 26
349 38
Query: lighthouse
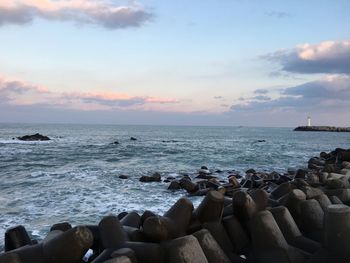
308 121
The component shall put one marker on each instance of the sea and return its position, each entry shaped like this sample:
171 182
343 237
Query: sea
74 177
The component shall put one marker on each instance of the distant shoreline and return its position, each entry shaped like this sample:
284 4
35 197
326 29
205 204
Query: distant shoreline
323 128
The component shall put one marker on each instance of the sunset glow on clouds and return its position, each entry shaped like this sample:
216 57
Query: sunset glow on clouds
175 62
21 93
100 12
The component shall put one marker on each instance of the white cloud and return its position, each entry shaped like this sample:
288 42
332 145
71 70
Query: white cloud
326 57
99 12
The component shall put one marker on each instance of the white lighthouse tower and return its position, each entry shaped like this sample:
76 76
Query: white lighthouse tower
308 121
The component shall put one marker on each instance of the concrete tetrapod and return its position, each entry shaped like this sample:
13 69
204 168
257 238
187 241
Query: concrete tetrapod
291 231
244 207
324 201
173 224
337 231
293 201
16 237
132 219
211 207
184 250
68 247
113 237
210 247
269 244
10 258
312 217
237 234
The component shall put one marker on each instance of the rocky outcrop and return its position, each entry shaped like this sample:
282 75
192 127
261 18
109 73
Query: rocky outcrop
322 128
34 137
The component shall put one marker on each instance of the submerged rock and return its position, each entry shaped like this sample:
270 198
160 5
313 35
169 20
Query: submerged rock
34 137
156 177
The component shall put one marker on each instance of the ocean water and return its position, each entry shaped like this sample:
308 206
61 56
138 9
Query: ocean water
74 177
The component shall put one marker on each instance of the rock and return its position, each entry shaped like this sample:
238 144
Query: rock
205 176
188 185
204 168
115 142
34 137
174 185
156 177
250 171
133 139
123 176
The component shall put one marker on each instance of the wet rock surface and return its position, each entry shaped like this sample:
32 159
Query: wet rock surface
34 137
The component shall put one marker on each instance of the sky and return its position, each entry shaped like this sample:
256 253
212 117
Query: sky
183 62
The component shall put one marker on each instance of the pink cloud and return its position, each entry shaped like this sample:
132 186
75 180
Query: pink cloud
21 93
99 12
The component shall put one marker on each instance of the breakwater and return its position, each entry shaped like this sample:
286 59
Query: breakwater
299 216
322 128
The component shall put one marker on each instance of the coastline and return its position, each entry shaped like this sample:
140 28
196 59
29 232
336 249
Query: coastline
267 199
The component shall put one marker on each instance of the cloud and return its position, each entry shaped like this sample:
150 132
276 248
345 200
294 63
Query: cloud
114 100
326 57
20 93
261 91
328 94
98 12
278 14
218 97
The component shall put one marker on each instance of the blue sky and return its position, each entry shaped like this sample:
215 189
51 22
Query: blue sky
175 62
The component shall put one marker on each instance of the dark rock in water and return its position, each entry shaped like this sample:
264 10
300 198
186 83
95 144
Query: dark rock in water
34 137
204 167
116 142
174 185
261 141
133 139
205 176
168 141
189 186
218 171
153 178
250 171
123 176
